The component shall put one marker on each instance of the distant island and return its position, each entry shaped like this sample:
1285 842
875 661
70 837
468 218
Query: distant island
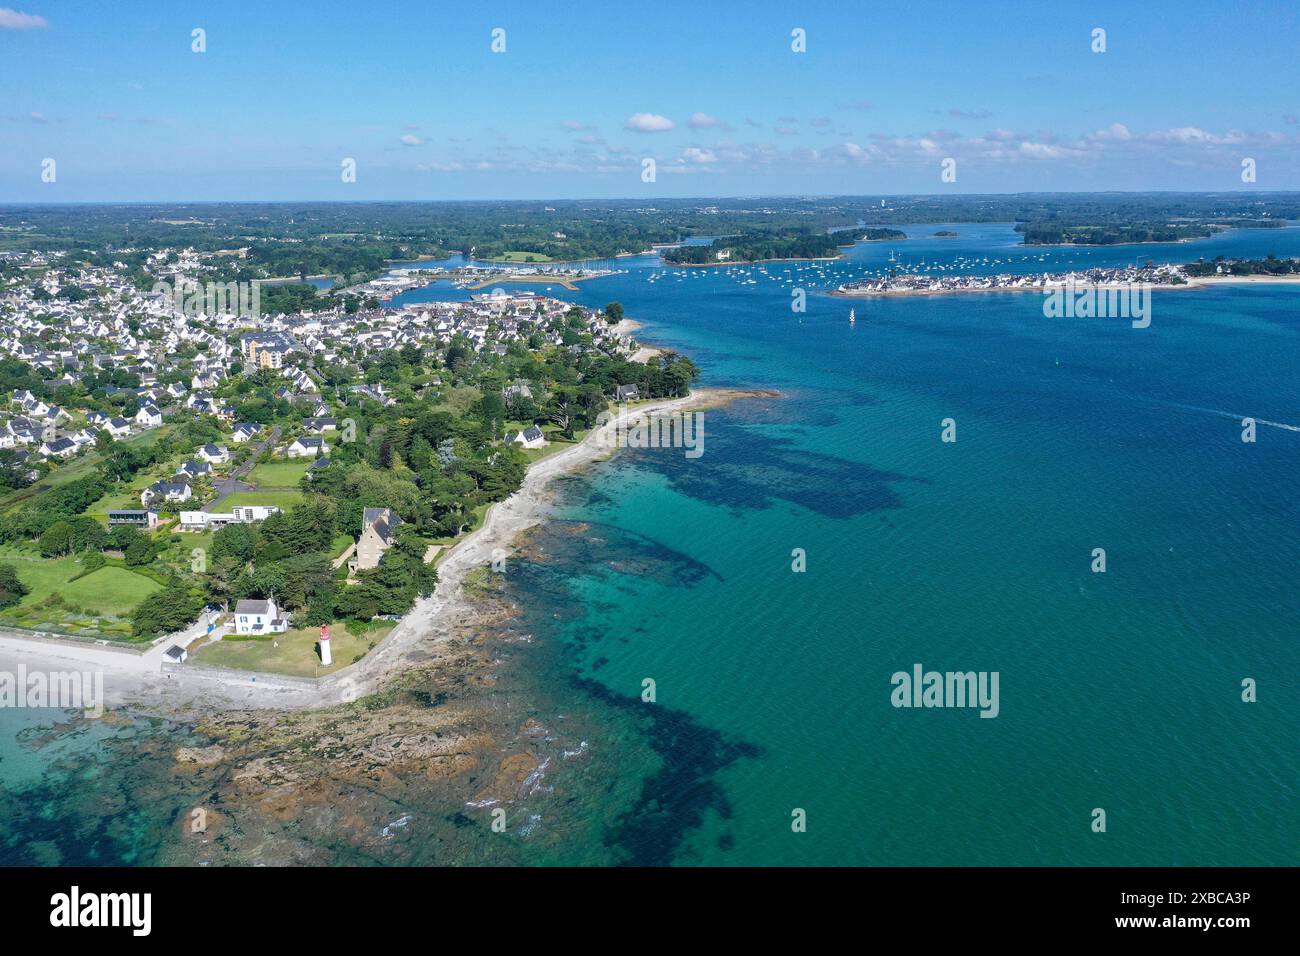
946 234
1053 233
767 246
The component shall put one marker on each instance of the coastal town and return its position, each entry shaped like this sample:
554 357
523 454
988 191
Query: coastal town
474 277
917 284
180 467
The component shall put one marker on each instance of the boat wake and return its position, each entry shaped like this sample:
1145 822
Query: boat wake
1225 414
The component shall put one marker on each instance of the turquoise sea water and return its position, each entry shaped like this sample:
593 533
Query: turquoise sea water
1119 691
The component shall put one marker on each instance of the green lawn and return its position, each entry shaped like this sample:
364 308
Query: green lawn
340 543
42 576
100 602
284 500
280 474
555 442
293 652
109 590
180 556
125 495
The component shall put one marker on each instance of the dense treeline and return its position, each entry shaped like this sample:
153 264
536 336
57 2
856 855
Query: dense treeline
355 240
1271 265
1053 233
59 503
758 246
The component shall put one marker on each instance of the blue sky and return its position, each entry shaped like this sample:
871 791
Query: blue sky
583 93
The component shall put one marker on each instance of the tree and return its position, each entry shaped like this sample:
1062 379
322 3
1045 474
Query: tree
88 534
560 411
359 602
614 313
57 540
140 552
12 590
121 537
237 542
174 607
223 577
13 473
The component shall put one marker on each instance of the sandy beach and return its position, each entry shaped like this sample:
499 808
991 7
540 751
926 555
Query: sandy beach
421 637
644 353
1245 280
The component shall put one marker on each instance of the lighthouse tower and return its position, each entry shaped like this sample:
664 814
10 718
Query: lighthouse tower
326 658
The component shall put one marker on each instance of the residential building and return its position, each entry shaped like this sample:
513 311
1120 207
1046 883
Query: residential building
133 517
530 437
307 448
377 530
258 617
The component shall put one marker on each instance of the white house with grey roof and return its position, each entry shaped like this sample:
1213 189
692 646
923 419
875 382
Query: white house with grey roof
168 491
530 437
259 617
149 416
307 448
214 454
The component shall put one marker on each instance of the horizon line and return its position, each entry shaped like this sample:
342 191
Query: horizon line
4 203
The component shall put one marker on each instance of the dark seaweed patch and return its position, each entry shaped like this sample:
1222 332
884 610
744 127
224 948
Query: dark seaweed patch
677 798
743 469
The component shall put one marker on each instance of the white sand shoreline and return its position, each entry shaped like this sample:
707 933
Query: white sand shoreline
1193 282
141 680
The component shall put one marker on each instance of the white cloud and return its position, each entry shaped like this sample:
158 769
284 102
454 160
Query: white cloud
11 19
703 121
1115 132
1045 151
693 154
649 123
411 140
1185 134
576 126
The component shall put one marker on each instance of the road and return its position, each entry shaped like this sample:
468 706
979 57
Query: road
229 485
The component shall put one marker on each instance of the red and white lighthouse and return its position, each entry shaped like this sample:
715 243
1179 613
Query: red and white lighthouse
325 657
